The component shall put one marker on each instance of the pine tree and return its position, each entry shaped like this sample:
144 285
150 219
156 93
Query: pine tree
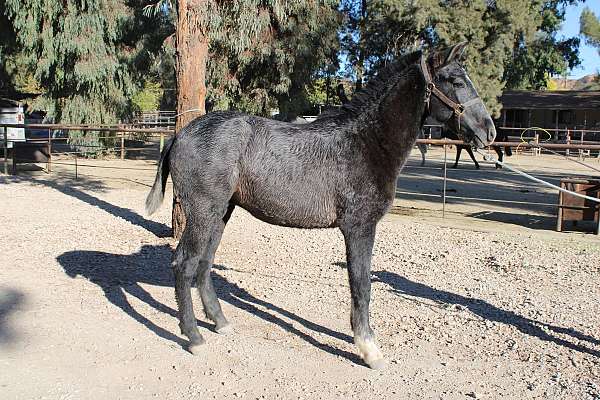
8 47
73 50
265 54
295 44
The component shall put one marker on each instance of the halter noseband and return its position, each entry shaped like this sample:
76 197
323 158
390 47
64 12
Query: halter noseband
431 89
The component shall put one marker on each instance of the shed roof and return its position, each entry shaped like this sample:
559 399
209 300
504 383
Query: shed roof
551 100
4 102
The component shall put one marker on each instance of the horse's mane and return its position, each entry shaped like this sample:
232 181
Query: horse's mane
372 93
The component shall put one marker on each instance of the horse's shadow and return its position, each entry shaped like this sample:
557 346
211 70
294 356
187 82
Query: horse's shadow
10 302
119 275
402 286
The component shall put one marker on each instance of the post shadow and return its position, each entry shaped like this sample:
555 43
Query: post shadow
10 301
118 275
402 286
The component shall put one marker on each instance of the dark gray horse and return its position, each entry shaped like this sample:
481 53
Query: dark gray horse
338 171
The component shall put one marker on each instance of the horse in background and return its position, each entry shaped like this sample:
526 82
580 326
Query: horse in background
451 135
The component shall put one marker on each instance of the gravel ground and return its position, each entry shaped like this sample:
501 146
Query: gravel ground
87 308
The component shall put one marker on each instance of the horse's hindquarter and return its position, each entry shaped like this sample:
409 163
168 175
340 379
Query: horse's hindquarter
290 176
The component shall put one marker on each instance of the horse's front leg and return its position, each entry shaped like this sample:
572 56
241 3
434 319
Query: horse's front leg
359 247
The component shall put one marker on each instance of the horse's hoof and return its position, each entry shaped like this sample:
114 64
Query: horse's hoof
196 347
226 329
380 363
370 353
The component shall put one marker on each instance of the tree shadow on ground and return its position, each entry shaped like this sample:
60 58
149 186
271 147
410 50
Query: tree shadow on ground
484 188
119 275
401 286
10 301
75 188
531 221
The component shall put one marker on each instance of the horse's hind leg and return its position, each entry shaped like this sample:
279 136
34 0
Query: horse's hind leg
458 150
472 157
191 253
209 298
359 246
500 154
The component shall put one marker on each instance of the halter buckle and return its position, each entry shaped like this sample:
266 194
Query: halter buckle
459 110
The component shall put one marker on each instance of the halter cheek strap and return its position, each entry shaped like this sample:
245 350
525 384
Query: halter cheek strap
431 89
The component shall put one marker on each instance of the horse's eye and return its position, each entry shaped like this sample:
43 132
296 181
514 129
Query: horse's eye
458 84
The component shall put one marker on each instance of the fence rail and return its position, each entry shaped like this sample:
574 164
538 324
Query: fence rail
119 130
557 146
98 128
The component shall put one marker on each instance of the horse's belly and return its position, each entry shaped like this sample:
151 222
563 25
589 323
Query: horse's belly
298 211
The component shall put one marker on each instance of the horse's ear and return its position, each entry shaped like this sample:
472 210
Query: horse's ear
456 52
443 57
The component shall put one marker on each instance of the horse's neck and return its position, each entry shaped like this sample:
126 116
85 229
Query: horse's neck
393 124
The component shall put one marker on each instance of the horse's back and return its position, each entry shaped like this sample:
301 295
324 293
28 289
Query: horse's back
279 172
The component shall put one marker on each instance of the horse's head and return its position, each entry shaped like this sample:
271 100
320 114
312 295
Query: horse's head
453 100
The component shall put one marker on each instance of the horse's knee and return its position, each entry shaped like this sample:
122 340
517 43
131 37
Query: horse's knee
184 269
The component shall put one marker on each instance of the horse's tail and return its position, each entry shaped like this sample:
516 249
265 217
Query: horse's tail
156 195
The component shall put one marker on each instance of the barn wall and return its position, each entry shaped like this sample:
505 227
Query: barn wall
578 119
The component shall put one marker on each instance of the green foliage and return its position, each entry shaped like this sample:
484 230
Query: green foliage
322 91
535 57
590 27
263 53
375 32
278 50
97 60
148 98
7 50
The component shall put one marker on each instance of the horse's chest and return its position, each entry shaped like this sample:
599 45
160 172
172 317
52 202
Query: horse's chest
369 201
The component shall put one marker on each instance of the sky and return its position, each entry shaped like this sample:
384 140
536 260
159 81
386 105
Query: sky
590 60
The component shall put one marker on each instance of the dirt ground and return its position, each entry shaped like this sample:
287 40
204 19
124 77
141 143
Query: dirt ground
487 303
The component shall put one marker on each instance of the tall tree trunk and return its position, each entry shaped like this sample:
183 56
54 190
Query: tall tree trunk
192 55
360 65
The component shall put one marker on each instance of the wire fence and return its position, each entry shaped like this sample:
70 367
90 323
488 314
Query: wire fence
127 140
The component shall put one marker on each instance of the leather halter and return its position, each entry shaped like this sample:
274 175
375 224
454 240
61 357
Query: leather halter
431 89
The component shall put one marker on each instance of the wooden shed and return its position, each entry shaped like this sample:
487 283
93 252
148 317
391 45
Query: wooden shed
565 109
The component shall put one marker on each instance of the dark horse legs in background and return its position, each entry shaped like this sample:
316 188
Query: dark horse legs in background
460 148
338 171
502 137
450 134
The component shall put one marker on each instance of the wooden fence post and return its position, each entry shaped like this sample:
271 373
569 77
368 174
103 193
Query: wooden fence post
49 163
445 177
122 145
6 151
